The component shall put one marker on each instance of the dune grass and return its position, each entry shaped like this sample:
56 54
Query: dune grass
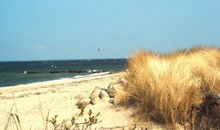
165 87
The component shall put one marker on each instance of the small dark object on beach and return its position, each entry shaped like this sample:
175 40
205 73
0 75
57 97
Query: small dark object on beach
111 90
81 104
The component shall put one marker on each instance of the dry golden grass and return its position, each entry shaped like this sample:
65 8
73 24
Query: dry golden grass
165 87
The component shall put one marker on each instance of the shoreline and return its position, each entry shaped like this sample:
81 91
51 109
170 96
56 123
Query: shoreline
60 81
34 101
37 88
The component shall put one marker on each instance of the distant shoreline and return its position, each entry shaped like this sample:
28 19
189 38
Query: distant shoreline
15 73
79 78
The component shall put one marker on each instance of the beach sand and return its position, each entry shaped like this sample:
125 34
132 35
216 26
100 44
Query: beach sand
33 102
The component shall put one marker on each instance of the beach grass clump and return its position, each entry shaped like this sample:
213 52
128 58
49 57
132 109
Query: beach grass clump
166 87
74 123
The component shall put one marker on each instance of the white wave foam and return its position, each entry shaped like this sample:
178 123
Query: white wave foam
90 75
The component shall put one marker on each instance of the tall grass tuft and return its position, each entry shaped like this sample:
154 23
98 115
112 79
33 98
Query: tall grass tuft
165 87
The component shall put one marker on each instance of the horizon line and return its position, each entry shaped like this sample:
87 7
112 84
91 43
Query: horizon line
64 59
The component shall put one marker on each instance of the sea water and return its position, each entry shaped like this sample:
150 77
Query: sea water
24 72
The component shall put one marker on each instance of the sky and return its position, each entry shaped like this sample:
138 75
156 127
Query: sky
91 29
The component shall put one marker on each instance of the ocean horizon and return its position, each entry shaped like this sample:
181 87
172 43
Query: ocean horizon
24 72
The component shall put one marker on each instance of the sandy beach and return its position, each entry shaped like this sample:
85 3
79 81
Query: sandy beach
34 102
109 65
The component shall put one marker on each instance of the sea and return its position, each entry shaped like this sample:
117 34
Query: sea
25 72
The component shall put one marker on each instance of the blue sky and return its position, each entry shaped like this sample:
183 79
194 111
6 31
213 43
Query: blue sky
69 29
